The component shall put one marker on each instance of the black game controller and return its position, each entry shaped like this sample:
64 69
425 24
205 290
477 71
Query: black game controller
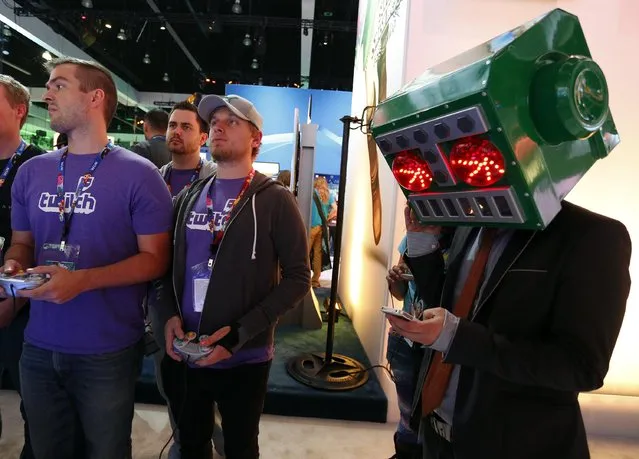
21 281
190 347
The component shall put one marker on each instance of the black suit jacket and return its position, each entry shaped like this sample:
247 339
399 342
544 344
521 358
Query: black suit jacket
543 331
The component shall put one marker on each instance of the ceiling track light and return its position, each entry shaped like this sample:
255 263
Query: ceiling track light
146 59
255 65
166 78
47 56
237 7
87 3
247 40
121 35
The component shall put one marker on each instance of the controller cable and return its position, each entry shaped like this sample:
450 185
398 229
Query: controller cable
15 305
176 421
388 367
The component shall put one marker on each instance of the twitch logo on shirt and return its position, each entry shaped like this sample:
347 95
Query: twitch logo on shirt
86 204
199 221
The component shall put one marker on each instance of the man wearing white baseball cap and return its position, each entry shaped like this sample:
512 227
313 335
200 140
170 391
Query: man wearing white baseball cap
236 233
238 105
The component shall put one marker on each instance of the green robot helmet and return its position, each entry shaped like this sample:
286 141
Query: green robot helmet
499 135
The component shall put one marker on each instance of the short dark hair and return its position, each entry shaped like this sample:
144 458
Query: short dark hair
189 107
92 76
158 120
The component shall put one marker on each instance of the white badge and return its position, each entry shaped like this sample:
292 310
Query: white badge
63 255
200 286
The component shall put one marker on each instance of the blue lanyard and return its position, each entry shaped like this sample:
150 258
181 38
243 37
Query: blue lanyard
7 169
82 185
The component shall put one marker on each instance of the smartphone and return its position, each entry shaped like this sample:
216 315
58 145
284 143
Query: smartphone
407 276
398 313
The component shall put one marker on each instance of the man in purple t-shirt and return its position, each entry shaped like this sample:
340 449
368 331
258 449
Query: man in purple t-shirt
95 218
236 233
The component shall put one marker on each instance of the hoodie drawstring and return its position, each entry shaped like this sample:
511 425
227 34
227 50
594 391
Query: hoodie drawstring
253 257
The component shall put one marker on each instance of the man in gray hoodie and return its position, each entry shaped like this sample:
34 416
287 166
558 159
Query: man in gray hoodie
235 232
186 133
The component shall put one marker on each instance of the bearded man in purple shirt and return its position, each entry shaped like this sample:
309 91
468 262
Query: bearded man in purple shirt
95 218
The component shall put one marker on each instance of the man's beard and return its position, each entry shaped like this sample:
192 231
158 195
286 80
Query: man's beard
68 121
178 148
220 156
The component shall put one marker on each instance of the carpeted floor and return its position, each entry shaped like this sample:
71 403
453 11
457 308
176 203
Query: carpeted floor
280 437
286 396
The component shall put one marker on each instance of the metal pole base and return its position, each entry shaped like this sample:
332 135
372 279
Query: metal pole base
341 373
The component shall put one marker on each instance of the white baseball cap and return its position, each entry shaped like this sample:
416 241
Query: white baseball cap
238 105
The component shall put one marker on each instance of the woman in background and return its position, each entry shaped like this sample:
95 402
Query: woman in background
323 209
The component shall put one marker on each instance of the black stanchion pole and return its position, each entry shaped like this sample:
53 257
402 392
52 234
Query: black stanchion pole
337 251
331 371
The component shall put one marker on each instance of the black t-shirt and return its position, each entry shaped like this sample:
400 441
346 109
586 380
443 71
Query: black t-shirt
5 193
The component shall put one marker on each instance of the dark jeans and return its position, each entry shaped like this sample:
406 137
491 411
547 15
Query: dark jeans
404 362
68 395
239 393
11 338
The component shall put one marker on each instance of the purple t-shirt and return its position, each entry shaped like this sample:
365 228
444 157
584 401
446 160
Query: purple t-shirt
126 197
179 178
198 241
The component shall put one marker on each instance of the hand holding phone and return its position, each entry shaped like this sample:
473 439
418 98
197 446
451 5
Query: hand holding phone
398 313
407 276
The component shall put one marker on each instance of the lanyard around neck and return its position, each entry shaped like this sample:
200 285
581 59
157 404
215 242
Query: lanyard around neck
7 169
218 235
83 184
194 176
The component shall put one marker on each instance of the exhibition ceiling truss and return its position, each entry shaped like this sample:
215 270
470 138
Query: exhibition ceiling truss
186 46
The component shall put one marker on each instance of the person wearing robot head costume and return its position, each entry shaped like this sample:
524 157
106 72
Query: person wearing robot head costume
533 292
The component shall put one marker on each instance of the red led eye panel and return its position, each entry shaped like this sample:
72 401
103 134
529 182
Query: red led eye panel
412 171
477 162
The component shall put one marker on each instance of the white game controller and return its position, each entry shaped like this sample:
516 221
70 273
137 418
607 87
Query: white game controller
190 347
21 281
